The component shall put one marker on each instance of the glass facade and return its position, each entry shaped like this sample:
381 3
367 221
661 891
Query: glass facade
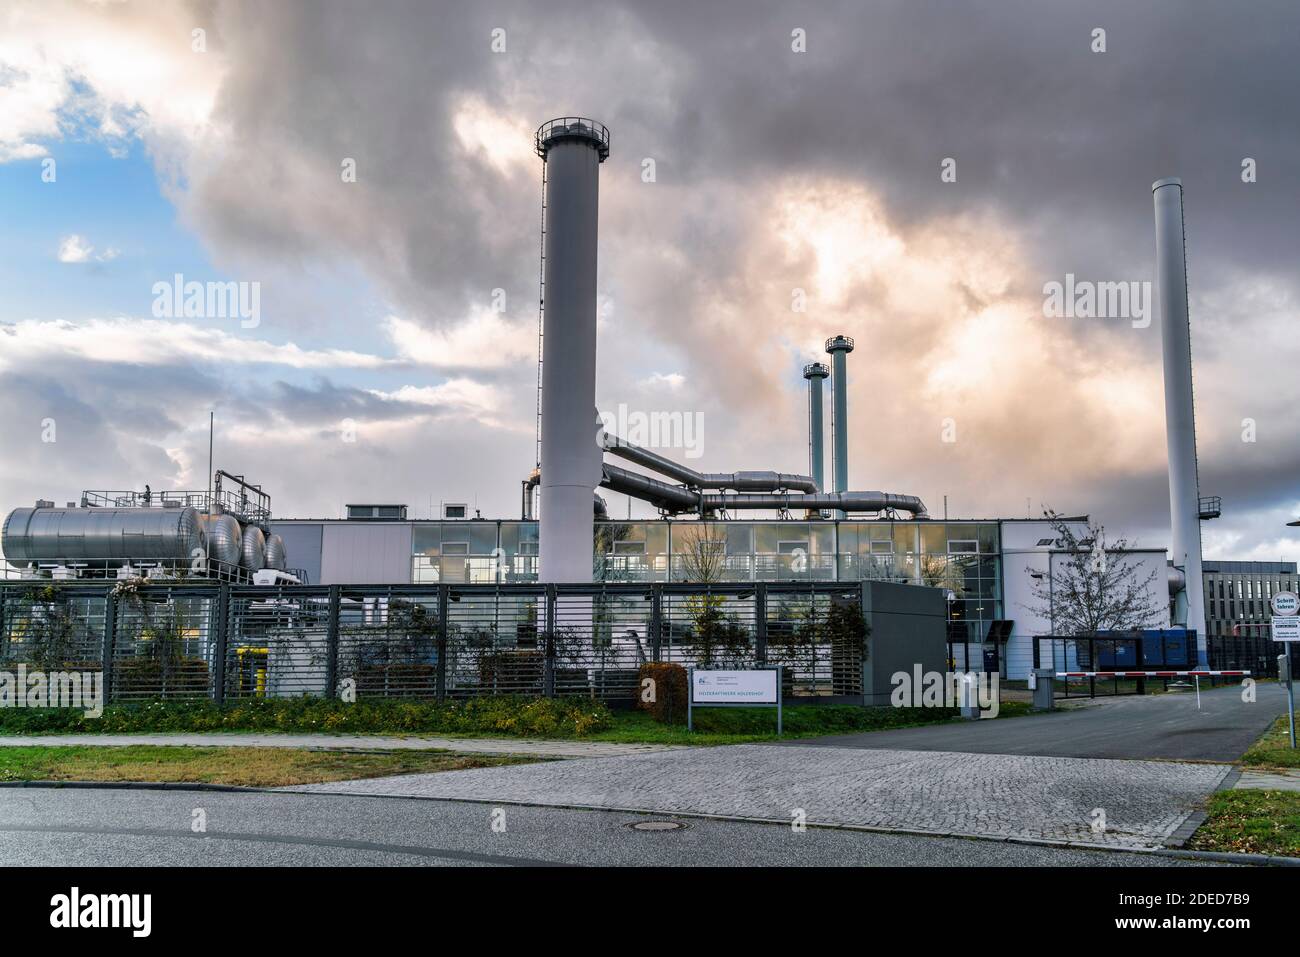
960 557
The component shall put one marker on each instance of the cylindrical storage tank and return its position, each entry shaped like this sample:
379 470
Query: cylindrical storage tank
254 549
573 150
103 535
225 538
275 553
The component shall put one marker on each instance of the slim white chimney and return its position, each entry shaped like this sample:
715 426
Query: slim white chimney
572 149
1180 419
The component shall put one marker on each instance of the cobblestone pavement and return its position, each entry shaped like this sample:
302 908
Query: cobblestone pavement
985 795
364 742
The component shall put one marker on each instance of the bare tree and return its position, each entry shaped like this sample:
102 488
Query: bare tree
704 558
1095 587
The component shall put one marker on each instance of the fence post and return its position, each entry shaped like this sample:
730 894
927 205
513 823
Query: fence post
760 624
440 687
332 644
548 660
656 621
222 614
110 637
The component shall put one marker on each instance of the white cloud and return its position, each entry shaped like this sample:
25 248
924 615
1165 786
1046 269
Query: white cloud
75 249
484 341
670 380
160 342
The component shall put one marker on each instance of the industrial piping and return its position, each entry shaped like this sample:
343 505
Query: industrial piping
767 490
740 481
1180 419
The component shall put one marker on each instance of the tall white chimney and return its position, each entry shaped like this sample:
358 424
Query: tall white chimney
572 149
1180 419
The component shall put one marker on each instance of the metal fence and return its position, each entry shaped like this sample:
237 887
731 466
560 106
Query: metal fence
1117 653
225 641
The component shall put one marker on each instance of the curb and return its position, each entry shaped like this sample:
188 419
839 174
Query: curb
130 785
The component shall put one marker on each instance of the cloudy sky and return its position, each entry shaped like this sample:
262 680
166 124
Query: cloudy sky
797 153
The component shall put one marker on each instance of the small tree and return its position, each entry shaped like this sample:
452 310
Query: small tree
1095 588
719 638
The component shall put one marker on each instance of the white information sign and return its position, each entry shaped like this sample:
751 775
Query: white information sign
1285 604
1286 629
734 687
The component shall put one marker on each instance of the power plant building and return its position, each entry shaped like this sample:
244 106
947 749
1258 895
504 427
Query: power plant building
985 566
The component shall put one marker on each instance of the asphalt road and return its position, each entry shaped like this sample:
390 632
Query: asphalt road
41 827
1151 726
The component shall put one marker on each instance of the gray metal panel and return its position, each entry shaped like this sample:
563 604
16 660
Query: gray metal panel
302 542
373 553
908 628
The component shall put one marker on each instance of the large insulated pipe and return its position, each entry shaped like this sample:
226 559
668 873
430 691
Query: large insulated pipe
745 481
840 501
675 498
839 347
815 373
572 149
1180 419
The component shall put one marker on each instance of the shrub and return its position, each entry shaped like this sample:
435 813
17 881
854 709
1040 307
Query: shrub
497 714
667 705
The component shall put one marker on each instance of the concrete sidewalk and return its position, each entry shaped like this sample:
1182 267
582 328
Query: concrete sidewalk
1141 803
557 748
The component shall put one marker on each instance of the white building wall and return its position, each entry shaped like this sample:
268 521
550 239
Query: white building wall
1022 555
365 553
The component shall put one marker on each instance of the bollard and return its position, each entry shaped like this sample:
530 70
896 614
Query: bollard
1042 681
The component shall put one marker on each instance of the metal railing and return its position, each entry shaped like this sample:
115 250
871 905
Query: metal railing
226 641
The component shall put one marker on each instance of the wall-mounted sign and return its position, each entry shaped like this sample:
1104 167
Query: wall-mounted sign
1285 604
753 686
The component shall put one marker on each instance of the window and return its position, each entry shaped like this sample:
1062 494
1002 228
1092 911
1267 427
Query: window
882 548
963 547
1046 542
636 548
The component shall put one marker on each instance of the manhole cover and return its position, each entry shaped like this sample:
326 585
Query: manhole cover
657 826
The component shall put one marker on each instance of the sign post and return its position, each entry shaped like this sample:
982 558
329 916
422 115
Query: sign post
733 689
1286 628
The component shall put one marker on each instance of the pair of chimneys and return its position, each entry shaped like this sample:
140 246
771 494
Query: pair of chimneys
838 347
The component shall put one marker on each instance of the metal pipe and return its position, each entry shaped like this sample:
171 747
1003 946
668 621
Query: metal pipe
1180 418
750 481
840 501
670 498
572 149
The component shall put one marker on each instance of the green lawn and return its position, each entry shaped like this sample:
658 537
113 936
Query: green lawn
250 767
1253 822
1273 750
